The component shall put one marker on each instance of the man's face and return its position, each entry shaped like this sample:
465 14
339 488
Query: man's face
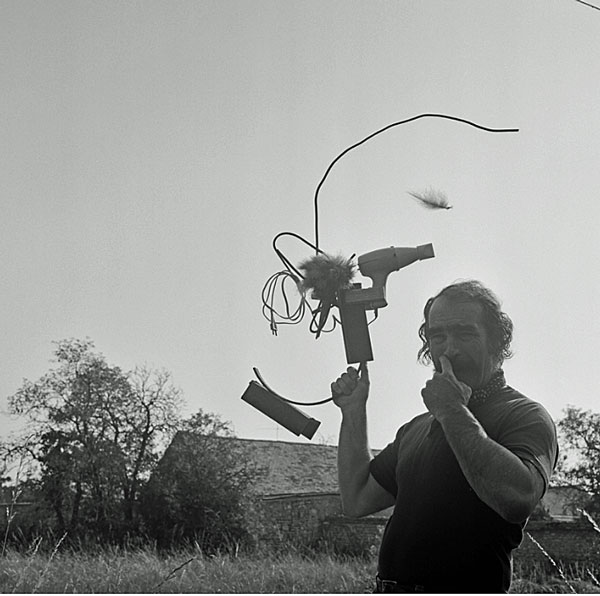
455 329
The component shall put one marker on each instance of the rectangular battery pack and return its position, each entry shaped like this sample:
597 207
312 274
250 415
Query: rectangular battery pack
355 331
279 410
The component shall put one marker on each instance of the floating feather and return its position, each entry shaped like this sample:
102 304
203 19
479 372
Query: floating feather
431 199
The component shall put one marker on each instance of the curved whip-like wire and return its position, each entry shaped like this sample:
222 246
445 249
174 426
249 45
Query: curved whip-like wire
445 116
289 401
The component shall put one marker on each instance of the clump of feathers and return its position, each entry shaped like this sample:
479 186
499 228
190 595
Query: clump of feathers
431 199
325 275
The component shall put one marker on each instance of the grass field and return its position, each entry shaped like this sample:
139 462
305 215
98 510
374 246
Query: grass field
145 571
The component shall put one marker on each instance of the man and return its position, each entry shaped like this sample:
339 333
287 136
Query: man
464 476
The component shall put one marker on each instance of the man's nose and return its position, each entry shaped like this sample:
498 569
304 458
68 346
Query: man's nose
450 349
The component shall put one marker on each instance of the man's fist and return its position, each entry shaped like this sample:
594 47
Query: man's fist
444 391
352 387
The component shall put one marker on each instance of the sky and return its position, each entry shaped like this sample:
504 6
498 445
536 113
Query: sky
152 150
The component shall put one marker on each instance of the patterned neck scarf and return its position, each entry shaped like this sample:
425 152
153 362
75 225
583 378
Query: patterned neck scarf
494 385
478 397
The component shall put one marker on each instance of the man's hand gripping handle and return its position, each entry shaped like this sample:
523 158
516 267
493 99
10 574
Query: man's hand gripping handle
351 389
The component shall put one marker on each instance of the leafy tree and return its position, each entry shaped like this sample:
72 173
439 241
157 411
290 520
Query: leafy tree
580 465
201 490
93 432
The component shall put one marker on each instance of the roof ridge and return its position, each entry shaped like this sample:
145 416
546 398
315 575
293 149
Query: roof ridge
278 441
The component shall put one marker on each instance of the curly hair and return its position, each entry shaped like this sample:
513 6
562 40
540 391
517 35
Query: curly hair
498 324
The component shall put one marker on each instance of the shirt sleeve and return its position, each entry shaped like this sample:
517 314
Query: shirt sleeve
383 465
529 432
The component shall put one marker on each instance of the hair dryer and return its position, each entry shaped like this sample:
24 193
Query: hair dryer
354 302
378 264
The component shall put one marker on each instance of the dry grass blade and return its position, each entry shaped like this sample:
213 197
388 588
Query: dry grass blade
556 566
10 515
593 577
172 573
11 511
47 566
36 546
590 519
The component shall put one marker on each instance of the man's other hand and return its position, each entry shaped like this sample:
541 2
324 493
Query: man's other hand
443 392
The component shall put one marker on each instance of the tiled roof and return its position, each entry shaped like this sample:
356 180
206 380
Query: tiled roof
293 468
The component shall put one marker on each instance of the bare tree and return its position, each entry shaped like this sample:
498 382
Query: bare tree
94 431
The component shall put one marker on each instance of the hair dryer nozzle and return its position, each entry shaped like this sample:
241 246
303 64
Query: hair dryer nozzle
425 251
378 264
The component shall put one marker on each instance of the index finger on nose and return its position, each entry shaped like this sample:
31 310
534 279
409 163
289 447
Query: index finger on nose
446 365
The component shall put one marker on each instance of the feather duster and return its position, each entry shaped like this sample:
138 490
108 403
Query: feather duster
325 275
431 199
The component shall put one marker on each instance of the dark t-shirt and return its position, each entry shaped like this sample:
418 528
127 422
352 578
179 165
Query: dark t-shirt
441 535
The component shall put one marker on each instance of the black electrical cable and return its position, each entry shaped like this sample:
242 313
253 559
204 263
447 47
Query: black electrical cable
455 118
318 322
321 312
283 258
289 401
587 4
268 299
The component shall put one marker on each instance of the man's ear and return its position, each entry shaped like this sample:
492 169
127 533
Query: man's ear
497 361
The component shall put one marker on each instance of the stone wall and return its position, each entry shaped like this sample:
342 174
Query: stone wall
295 520
316 520
568 543
353 536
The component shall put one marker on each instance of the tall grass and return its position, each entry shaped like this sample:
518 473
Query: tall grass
61 569
578 578
145 571
115 570
554 563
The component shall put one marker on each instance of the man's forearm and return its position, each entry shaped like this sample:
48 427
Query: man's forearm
354 457
498 477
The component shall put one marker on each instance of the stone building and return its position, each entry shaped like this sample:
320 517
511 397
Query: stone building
299 498
298 501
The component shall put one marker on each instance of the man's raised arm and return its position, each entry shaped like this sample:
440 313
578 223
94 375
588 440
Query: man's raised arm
361 493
